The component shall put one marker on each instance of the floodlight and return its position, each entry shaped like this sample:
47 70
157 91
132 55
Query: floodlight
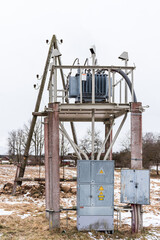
56 53
93 49
124 56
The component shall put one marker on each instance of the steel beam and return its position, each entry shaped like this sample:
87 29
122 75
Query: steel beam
96 106
115 137
107 136
93 67
108 130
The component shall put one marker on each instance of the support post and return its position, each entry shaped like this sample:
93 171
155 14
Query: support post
136 158
108 125
47 190
93 134
54 176
15 181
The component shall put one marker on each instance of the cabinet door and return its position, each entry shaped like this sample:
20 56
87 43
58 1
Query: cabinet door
102 195
84 172
102 172
84 195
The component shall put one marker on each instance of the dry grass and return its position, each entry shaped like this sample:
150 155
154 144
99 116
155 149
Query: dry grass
28 221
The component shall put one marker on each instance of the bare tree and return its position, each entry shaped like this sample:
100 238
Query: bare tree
16 144
151 150
86 142
37 142
126 142
17 141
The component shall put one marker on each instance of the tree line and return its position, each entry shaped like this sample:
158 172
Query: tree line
150 151
17 141
151 146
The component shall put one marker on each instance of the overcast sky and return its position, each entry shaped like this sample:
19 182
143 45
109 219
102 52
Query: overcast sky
113 26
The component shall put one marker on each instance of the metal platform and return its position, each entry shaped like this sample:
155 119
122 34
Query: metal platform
83 112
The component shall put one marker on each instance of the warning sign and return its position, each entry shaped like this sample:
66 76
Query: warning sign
84 77
101 188
101 171
101 194
101 197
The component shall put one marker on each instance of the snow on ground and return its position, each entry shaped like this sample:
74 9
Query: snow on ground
26 206
3 212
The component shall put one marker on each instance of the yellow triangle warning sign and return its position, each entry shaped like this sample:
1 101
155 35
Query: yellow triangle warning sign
101 171
101 193
101 188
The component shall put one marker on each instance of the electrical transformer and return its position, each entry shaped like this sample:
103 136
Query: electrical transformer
101 87
95 195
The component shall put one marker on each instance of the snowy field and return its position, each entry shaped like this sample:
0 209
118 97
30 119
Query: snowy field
23 216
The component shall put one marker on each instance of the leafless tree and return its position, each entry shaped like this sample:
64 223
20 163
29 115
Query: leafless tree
86 142
37 142
151 150
17 141
16 144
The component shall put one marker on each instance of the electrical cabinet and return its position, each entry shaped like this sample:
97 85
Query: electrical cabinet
135 186
95 195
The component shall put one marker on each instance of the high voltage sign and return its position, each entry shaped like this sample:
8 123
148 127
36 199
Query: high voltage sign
101 194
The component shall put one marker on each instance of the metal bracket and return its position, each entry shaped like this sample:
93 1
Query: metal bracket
52 211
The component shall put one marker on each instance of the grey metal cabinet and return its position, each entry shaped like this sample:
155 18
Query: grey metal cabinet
135 186
95 195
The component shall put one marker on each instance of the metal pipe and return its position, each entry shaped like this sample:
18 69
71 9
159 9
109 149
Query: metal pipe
120 92
93 79
122 78
104 142
128 82
126 88
109 85
93 133
86 62
113 87
94 67
55 81
132 81
115 137
69 139
75 146
80 86
74 132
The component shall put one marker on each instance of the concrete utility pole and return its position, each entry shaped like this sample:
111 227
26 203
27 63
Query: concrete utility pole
53 166
136 158
46 165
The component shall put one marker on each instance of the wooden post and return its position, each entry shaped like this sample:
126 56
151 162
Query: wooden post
54 175
136 158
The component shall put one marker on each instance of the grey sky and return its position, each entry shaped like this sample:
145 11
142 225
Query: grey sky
113 26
